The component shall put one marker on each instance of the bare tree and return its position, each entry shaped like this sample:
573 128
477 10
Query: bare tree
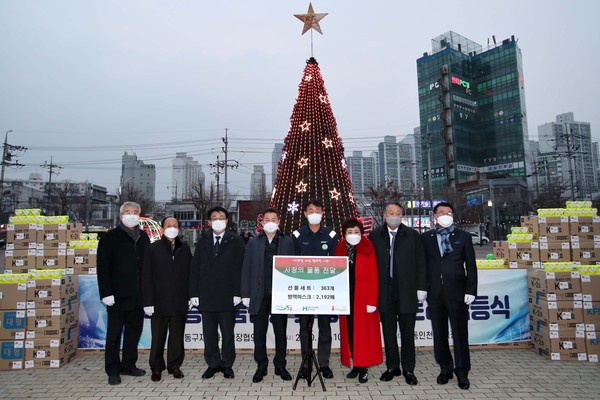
64 198
378 197
203 198
130 193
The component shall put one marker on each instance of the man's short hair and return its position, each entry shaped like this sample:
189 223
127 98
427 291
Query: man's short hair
162 223
352 223
217 209
130 204
272 211
314 202
393 203
443 204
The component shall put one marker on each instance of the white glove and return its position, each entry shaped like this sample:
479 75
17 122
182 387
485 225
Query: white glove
246 302
149 310
469 298
371 309
195 301
236 300
190 304
421 295
109 300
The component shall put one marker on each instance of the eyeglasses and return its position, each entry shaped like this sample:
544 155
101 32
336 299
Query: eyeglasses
218 219
128 212
449 213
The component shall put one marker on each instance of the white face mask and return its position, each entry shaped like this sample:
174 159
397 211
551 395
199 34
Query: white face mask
271 227
218 225
130 220
393 222
171 233
353 239
314 219
445 221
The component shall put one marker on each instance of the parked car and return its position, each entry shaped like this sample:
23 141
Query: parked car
475 236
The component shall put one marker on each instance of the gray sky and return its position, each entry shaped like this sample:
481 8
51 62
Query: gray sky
83 81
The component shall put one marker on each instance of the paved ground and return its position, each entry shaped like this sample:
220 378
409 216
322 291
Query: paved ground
497 374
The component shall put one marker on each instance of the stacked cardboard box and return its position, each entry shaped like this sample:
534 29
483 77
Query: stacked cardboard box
556 314
13 300
590 289
52 319
81 254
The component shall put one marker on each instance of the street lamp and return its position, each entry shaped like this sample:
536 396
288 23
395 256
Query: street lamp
4 153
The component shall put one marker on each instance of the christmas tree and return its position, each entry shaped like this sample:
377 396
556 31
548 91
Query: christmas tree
312 164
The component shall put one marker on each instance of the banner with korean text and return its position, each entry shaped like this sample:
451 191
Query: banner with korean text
498 315
310 285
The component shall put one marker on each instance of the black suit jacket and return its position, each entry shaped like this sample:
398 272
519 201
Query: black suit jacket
253 285
120 260
216 279
409 264
166 277
457 269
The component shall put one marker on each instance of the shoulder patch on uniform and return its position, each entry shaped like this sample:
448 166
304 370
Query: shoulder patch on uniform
332 234
296 233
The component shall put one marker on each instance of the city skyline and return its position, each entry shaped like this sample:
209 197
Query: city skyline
85 83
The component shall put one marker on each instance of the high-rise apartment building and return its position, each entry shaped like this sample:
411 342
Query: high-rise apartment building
138 175
570 143
187 174
275 157
258 183
395 164
472 112
362 172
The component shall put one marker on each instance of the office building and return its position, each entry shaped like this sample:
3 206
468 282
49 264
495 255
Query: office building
275 157
395 164
472 112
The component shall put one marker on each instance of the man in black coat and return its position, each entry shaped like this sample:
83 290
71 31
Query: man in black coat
120 259
165 285
257 281
402 285
452 287
215 290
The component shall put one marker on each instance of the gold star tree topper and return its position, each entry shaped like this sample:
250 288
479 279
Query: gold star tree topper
311 20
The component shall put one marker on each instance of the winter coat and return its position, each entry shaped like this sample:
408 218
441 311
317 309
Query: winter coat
166 277
215 280
119 267
367 331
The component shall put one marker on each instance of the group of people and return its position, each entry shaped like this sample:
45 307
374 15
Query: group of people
390 272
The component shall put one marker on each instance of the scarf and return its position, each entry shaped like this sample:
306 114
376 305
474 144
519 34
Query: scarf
445 234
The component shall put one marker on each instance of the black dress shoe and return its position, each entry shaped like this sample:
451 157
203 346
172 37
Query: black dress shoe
114 380
442 378
133 372
177 373
259 374
464 383
228 373
210 372
283 373
411 379
156 376
363 375
353 373
326 372
390 374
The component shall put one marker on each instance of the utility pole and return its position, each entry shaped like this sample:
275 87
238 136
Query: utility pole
570 158
51 167
225 184
8 153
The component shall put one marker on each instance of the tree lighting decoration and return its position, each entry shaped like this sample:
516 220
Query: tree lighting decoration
313 166
152 228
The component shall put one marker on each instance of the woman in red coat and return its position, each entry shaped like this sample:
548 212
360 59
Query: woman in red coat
360 333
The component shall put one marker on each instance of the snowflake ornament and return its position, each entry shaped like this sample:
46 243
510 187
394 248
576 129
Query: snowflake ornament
293 207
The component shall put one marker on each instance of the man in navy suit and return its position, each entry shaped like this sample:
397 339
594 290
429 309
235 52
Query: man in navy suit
452 287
